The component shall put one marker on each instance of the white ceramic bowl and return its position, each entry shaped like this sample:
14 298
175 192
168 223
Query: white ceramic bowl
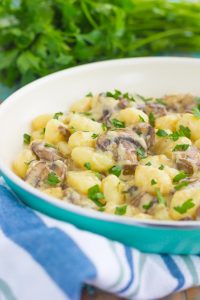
56 92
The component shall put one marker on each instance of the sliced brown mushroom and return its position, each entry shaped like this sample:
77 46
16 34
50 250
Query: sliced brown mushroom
188 161
157 109
180 103
147 132
123 103
37 173
45 151
137 198
65 132
60 168
74 197
123 143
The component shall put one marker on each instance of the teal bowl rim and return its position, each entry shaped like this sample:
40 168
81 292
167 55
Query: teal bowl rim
7 173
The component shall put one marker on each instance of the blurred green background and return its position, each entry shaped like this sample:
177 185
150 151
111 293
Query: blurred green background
38 37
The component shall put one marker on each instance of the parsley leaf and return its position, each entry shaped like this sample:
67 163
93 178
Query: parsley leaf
181 185
87 165
117 123
153 182
161 133
179 176
148 206
152 119
140 152
96 196
104 126
128 97
160 197
53 179
196 111
148 163
94 135
115 170
161 167
181 147
57 115
160 101
188 204
120 210
141 118
183 131
114 95
89 95
27 138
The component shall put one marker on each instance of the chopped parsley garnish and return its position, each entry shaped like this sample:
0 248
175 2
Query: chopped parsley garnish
153 182
179 176
114 95
57 115
53 179
161 133
27 163
96 195
181 185
160 101
181 147
141 118
140 152
27 138
89 95
94 135
117 123
148 206
47 145
101 209
152 119
87 165
188 204
120 210
115 170
148 163
86 113
104 127
98 175
161 167
128 97
196 111
43 130
160 197
183 131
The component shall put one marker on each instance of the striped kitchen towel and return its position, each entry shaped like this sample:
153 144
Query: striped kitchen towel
46 259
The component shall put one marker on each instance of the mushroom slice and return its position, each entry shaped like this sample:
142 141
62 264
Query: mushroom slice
180 103
65 132
74 197
137 198
188 161
123 143
37 172
147 132
60 168
157 109
45 151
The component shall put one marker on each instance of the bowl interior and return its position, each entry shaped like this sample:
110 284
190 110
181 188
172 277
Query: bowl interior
149 77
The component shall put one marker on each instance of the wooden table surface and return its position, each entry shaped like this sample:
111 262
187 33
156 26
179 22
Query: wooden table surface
190 294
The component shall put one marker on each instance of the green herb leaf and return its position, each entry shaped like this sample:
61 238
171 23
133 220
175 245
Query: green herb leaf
117 123
181 185
148 206
47 145
161 133
114 95
115 170
183 131
120 210
128 97
153 182
89 95
179 176
57 115
148 163
53 179
181 147
87 165
187 205
152 119
141 118
161 167
104 127
196 111
160 101
140 152
96 196
160 197
86 113
94 135
27 138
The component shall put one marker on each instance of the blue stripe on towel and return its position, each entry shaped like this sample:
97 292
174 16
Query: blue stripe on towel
174 271
129 257
54 250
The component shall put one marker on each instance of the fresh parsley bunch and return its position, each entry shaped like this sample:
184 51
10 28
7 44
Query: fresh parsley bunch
42 36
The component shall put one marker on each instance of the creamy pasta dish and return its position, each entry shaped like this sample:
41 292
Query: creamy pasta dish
119 153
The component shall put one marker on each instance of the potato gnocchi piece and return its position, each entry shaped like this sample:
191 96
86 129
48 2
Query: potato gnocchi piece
21 163
157 161
52 133
56 192
132 116
37 135
99 161
63 148
145 177
81 138
82 105
41 121
167 122
193 123
81 181
178 200
81 123
112 188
